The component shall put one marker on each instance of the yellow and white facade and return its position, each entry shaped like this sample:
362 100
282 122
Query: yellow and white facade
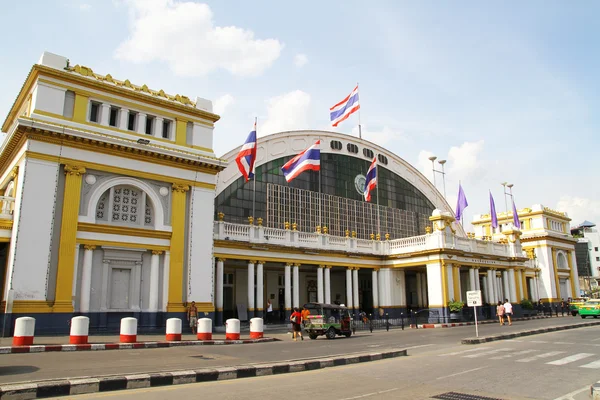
547 241
108 190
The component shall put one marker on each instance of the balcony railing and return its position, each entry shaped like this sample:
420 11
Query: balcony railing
255 234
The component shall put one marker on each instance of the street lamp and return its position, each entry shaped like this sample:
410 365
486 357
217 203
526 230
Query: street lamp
441 162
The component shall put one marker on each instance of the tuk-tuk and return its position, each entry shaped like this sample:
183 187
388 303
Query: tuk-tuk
575 303
327 319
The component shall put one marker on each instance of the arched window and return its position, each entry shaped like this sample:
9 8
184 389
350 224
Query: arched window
562 261
125 205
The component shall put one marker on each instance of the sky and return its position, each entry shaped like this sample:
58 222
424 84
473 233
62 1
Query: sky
505 92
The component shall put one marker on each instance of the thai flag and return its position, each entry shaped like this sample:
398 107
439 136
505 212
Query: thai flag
309 159
371 179
344 108
247 156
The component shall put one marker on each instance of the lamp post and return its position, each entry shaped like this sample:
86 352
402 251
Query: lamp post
509 186
443 172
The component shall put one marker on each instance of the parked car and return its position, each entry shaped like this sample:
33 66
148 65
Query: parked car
590 308
576 303
327 319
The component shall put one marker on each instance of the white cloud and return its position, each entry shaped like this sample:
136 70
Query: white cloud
287 112
580 209
85 7
464 161
380 137
222 103
300 60
183 35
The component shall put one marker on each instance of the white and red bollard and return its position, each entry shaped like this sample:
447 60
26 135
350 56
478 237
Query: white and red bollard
173 330
80 327
204 329
232 329
128 330
256 328
24 331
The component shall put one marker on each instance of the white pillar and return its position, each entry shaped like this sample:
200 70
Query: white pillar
448 270
158 126
505 282
486 291
320 284
296 285
141 123
75 284
250 286
500 289
512 285
375 288
104 114
356 300
260 301
491 281
532 289
123 119
219 288
288 287
165 291
348 288
434 284
381 279
328 285
86 278
472 284
477 283
154 289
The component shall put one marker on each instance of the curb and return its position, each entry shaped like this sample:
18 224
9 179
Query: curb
67 387
527 333
487 321
124 346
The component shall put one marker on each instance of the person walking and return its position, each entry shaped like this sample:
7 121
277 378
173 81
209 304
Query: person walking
192 316
269 311
296 320
500 312
508 311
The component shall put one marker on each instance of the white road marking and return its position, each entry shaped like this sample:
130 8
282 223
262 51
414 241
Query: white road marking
463 351
594 340
570 359
564 343
595 364
571 396
362 396
517 353
416 347
539 356
460 373
538 341
485 353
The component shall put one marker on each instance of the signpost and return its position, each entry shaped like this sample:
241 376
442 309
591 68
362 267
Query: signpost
474 300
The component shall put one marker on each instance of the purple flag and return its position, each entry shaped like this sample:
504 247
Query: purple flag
461 204
493 212
516 221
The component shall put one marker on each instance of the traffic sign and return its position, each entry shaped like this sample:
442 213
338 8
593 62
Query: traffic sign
474 298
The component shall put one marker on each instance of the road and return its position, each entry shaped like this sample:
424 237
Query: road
39 366
559 365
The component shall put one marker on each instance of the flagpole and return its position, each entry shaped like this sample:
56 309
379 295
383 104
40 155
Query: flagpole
320 194
254 174
359 127
377 186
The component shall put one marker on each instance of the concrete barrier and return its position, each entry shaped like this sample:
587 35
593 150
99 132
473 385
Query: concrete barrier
128 330
80 327
24 331
173 330
232 329
256 328
204 329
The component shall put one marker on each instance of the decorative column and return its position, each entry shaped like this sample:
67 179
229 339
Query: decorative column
296 285
476 274
524 283
518 284
491 281
328 284
251 289
472 284
355 301
177 249
104 114
349 288
123 119
68 237
86 278
154 289
158 126
260 301
573 286
505 284
320 284
512 285
219 291
375 288
456 281
288 290
141 123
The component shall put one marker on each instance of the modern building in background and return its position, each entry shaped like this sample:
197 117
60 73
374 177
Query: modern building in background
588 255
114 204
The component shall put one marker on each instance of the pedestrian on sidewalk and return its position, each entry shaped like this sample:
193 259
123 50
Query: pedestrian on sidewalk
296 319
500 312
269 311
192 316
508 311
563 305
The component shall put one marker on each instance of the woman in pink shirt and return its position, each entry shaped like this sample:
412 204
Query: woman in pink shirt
500 312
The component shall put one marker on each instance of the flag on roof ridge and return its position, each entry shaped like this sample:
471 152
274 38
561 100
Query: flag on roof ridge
371 181
461 203
493 212
344 108
247 156
307 160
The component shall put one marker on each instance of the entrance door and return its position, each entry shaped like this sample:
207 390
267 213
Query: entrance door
228 308
119 289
